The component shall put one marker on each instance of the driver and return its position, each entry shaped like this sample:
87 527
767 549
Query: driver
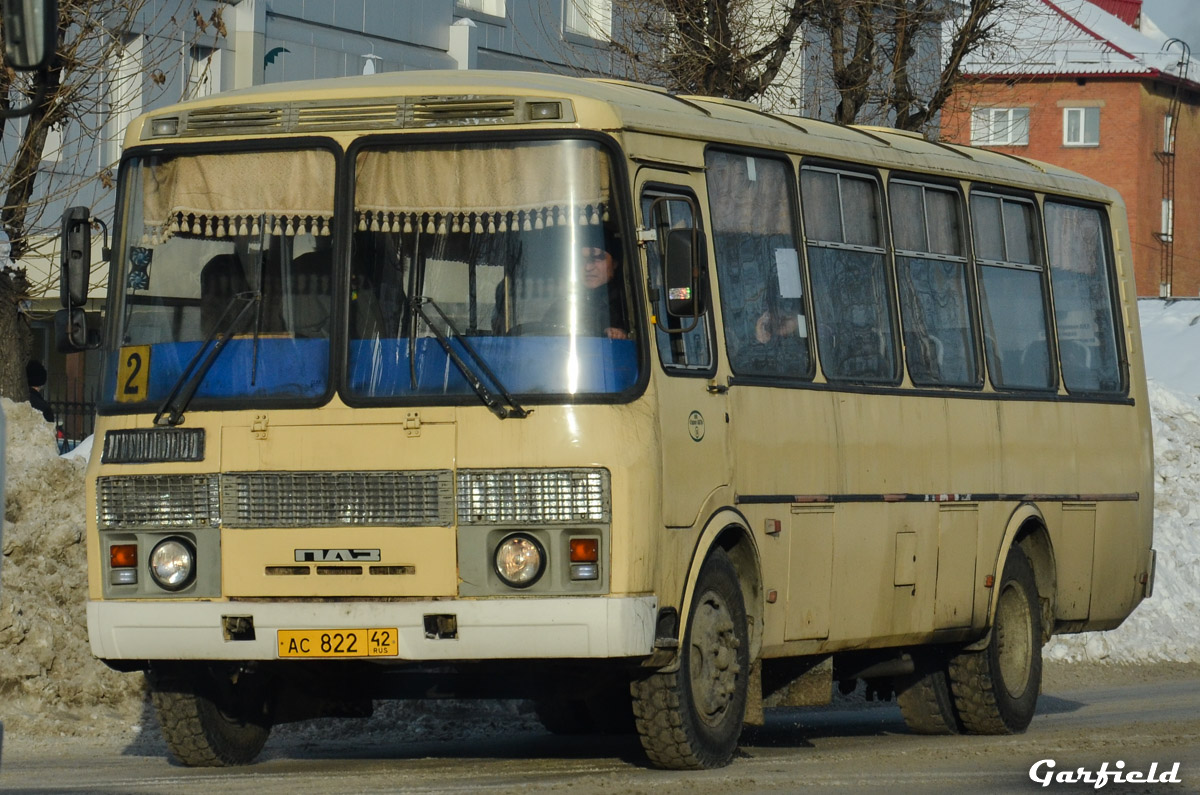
601 301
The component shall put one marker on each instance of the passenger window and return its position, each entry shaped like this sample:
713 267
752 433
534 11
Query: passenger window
1083 299
848 266
1011 292
758 265
931 270
678 349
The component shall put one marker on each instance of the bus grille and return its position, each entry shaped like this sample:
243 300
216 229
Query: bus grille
533 496
332 499
277 499
443 111
342 114
215 121
158 501
341 117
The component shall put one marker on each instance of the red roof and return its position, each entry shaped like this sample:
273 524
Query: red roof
1125 10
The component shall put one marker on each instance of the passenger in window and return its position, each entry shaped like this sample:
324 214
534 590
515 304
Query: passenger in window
775 347
601 303
771 325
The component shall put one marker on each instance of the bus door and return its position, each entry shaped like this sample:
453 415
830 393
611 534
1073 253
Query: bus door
692 408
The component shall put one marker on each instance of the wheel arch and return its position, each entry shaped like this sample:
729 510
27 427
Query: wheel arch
728 529
1027 529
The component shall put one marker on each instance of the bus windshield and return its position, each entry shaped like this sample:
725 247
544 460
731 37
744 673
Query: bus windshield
508 250
232 246
475 269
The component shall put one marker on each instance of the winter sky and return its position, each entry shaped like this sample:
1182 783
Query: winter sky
1178 19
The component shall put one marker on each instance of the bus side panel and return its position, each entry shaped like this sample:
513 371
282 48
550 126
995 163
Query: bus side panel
785 444
1122 557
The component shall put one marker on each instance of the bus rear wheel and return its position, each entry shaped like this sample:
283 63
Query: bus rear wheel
210 716
996 688
926 700
691 718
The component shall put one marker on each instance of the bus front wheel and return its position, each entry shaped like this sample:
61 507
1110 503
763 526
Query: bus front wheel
996 688
210 716
690 719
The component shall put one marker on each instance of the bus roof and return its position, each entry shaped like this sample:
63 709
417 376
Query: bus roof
424 100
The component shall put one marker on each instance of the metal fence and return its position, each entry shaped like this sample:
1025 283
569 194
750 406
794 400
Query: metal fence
74 420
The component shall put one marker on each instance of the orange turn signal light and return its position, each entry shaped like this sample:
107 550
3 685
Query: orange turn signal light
585 550
123 556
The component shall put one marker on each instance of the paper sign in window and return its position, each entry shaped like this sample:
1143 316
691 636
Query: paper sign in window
787 268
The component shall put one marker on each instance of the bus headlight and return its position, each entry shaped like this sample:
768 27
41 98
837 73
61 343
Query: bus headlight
173 563
520 560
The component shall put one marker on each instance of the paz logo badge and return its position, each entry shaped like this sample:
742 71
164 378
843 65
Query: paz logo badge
696 426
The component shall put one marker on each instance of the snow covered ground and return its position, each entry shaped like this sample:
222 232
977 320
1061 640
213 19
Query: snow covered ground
50 683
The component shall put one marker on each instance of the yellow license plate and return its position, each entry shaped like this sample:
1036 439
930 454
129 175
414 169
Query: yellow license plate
338 643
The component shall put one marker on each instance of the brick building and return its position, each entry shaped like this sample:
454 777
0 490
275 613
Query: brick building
1093 86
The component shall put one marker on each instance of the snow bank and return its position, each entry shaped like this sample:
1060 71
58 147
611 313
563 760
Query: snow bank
49 680
1171 339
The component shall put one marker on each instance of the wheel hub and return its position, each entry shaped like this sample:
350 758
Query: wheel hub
714 666
1014 640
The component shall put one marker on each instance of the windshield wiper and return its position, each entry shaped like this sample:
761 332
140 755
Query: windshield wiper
190 379
512 409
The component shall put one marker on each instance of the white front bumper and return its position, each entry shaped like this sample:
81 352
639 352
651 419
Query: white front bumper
488 629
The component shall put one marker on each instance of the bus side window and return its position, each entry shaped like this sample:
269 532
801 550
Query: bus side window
1011 292
1080 271
758 265
848 264
931 270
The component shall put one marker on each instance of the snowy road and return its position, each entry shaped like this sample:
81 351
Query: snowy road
1140 717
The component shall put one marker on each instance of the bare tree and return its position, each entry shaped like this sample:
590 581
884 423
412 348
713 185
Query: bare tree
86 92
884 61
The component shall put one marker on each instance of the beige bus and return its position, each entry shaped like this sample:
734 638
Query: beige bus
656 410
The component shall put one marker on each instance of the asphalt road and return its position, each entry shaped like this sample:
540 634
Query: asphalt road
1139 719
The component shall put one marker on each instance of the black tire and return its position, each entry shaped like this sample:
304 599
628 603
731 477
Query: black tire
926 700
996 688
210 717
691 719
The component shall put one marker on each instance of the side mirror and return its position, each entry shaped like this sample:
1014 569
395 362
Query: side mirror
75 261
683 266
30 32
71 332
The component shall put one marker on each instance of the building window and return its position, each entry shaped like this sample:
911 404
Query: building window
493 8
1169 134
204 72
1000 127
125 75
1081 126
592 18
1167 228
